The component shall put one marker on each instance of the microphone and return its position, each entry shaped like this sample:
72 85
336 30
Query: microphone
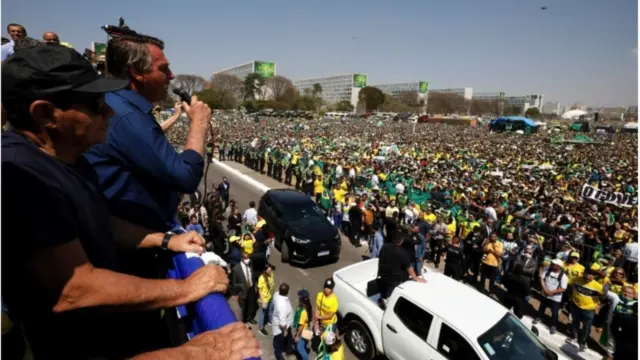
183 95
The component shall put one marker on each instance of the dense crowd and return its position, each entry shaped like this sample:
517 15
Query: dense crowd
447 186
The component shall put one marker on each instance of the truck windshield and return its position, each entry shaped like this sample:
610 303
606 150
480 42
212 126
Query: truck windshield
509 339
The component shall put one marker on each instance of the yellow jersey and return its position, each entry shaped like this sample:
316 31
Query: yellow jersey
615 287
490 258
327 305
266 286
338 354
339 194
247 245
586 294
574 271
318 186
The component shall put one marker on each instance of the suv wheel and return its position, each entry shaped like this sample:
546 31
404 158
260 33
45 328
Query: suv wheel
284 252
359 340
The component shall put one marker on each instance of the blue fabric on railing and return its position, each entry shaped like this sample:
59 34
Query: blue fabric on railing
211 312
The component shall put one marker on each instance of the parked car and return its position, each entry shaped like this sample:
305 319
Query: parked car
440 319
301 231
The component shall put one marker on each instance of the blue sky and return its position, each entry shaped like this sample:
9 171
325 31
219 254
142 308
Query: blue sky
576 51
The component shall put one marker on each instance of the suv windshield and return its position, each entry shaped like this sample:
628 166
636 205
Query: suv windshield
509 339
301 212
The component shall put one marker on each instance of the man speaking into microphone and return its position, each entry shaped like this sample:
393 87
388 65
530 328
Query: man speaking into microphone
139 171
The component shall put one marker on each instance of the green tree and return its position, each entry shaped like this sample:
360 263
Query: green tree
317 89
229 87
533 113
372 97
211 97
344 105
252 86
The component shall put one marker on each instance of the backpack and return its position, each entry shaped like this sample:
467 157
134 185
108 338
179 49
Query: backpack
546 275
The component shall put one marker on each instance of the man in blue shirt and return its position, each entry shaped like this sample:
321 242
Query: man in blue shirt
139 171
16 31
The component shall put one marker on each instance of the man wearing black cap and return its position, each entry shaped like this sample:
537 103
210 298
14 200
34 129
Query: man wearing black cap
326 314
61 254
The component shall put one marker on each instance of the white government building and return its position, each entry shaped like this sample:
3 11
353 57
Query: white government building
335 88
524 102
240 71
465 92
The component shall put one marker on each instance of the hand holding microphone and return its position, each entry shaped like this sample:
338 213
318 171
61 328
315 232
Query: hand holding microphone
196 110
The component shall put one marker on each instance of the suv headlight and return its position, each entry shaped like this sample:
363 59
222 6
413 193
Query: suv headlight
300 241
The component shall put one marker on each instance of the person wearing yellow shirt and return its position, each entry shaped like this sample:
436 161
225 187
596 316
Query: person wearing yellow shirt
493 250
301 323
574 270
248 243
266 288
338 194
326 314
318 188
334 348
586 297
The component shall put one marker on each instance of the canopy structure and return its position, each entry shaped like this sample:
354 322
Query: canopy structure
513 123
574 114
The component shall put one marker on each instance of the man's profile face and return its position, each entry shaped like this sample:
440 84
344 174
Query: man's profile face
156 81
17 32
84 124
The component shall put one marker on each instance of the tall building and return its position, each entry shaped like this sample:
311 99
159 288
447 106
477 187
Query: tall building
551 108
466 93
265 68
523 102
336 88
421 88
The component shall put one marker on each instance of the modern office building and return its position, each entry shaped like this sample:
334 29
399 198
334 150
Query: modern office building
466 93
265 68
523 102
336 88
551 108
421 88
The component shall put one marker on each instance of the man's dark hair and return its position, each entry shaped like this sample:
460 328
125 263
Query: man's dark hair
125 52
14 25
284 289
252 204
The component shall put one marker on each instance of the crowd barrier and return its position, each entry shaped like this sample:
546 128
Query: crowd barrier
209 313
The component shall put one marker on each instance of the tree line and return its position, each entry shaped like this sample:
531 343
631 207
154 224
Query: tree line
254 92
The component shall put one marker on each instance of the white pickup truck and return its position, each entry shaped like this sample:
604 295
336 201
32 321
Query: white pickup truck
442 319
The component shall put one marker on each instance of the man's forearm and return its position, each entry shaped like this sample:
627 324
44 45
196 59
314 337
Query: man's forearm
170 121
196 137
130 236
178 353
89 287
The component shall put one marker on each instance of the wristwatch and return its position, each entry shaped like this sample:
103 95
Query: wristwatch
165 240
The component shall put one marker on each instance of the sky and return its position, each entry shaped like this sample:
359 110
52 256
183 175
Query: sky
581 51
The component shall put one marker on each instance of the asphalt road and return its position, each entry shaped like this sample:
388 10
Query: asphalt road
310 278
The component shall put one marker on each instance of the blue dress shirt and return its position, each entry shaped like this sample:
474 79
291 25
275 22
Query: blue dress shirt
139 171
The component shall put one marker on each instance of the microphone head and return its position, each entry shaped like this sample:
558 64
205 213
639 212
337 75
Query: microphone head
183 95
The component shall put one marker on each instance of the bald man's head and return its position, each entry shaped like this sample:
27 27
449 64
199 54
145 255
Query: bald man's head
51 38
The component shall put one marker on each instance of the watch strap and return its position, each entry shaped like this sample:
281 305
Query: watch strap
165 240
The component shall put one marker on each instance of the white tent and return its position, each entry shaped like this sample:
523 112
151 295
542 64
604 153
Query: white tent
631 125
573 114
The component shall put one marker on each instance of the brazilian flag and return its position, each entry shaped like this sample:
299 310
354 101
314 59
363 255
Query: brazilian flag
325 200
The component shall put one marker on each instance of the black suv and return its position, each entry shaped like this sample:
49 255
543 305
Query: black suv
302 232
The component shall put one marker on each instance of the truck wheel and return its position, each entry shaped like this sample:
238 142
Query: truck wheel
359 340
284 252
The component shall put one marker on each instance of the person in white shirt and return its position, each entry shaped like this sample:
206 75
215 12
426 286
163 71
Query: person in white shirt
375 181
399 188
553 282
250 216
281 321
338 171
200 214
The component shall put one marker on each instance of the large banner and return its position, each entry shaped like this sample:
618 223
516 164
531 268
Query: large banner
98 48
359 80
614 198
264 68
423 87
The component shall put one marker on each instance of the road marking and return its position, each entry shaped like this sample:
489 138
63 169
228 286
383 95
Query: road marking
304 273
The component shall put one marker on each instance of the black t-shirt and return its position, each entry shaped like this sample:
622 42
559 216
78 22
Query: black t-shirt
454 256
47 203
393 263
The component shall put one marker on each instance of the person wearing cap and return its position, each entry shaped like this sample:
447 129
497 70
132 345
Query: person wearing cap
67 243
139 171
553 282
574 270
326 314
302 324
587 295
334 349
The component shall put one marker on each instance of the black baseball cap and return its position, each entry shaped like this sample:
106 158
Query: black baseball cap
329 284
43 71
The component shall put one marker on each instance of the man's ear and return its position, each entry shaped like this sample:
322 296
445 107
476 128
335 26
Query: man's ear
134 75
43 112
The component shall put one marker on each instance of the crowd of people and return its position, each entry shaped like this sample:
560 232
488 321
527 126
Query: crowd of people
502 207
